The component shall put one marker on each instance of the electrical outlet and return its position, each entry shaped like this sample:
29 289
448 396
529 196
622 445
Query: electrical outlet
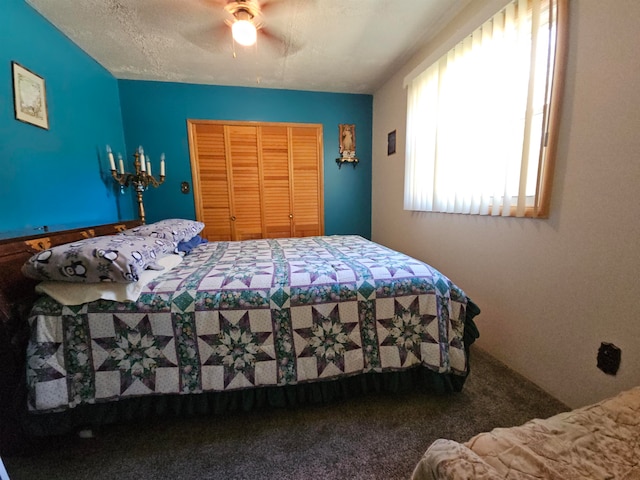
609 358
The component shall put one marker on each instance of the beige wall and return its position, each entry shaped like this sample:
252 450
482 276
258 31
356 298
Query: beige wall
550 290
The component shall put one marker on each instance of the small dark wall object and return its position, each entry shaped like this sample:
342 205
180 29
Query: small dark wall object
609 358
391 143
185 188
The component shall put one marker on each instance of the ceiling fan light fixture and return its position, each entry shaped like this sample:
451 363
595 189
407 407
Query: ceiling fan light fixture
244 32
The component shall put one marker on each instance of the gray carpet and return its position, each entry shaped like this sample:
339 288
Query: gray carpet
377 436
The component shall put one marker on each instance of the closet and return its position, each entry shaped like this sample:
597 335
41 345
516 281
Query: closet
257 180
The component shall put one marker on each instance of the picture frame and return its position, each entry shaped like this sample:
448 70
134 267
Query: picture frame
29 97
391 143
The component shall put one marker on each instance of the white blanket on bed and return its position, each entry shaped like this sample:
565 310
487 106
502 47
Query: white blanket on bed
600 441
68 293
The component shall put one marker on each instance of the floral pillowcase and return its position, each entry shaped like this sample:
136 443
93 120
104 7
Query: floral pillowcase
109 258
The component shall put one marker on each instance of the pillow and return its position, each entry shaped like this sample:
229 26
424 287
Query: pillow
185 247
68 293
109 258
176 229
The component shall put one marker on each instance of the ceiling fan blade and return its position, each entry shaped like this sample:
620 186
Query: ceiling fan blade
167 12
214 3
277 42
269 4
272 6
212 38
281 16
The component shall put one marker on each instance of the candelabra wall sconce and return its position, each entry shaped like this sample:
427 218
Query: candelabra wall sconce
347 145
142 177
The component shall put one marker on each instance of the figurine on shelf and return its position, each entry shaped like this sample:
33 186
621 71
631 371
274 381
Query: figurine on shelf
347 145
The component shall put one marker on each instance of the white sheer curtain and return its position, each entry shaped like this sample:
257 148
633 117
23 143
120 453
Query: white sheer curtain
475 118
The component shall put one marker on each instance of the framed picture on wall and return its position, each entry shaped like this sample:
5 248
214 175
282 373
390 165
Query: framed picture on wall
391 143
29 97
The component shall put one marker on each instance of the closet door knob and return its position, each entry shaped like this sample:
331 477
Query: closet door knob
291 215
233 218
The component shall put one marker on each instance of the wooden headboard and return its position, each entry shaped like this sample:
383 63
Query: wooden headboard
17 294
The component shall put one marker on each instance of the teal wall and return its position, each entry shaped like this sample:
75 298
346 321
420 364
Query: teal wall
155 116
56 177
59 177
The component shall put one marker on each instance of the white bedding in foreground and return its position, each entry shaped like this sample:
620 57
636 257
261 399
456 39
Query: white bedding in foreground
599 441
68 293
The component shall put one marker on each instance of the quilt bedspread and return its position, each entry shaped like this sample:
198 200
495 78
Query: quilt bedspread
236 315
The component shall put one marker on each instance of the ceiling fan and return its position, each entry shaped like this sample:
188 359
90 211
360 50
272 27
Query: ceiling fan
244 22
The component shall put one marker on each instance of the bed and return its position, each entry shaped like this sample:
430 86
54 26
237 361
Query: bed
599 441
241 325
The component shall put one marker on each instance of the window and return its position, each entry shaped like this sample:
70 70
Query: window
482 119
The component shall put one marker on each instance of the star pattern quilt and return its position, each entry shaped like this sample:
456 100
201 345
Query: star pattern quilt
238 315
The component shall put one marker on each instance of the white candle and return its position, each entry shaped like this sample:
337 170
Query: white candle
112 163
148 165
142 162
162 165
121 165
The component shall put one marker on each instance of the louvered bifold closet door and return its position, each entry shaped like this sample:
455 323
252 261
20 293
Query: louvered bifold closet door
277 208
211 184
308 211
257 180
244 176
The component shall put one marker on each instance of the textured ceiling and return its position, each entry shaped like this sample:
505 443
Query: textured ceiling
350 46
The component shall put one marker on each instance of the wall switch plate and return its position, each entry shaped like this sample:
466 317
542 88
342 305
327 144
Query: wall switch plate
609 358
